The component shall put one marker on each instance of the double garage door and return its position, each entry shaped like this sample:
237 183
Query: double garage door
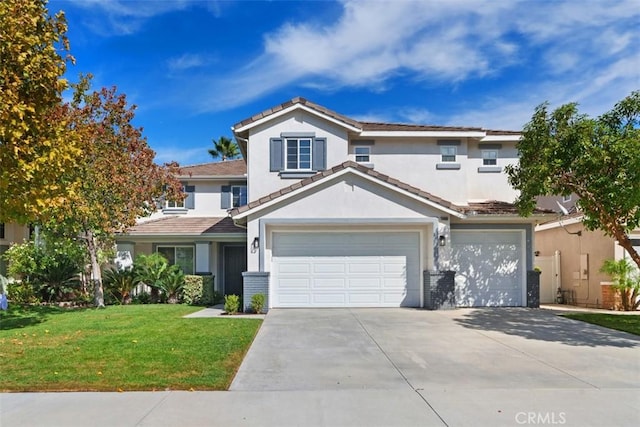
333 269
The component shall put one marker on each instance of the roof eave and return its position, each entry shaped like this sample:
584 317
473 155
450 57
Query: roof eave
422 133
284 111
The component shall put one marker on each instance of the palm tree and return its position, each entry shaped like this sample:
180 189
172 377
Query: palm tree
224 147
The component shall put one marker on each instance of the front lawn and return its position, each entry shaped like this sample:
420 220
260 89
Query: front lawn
621 322
120 348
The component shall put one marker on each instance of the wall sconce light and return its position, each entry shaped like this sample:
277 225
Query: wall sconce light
442 241
537 253
255 244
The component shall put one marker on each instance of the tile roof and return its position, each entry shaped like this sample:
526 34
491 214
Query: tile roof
492 207
226 168
495 207
302 101
326 173
365 126
179 224
370 126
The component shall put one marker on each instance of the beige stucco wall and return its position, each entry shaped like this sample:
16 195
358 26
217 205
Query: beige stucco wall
595 244
14 233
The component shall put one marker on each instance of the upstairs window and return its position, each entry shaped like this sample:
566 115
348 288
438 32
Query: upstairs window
448 153
239 195
187 203
489 157
1 230
298 153
363 154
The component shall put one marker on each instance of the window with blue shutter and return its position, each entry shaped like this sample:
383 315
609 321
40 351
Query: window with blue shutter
190 202
297 155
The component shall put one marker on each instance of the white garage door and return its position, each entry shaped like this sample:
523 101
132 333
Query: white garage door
489 267
345 269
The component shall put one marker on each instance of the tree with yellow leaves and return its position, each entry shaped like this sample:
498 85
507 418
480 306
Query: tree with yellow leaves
35 153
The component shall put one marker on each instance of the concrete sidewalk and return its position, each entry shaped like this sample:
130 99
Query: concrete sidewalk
388 367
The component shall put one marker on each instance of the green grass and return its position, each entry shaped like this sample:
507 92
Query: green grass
136 347
625 323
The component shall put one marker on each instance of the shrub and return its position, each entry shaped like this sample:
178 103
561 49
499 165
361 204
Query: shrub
22 292
52 267
119 284
231 304
192 292
257 303
141 298
626 280
172 283
151 270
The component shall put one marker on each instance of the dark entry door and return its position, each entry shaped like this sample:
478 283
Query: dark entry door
235 263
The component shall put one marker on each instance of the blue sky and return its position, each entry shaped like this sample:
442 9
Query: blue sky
194 67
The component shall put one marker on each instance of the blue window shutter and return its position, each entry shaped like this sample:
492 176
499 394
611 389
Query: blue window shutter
190 202
225 197
276 153
319 154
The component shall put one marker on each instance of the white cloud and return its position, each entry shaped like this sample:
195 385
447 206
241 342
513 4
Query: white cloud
187 61
440 42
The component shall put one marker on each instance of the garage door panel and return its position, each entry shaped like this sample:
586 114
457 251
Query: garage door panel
489 268
328 283
347 269
295 283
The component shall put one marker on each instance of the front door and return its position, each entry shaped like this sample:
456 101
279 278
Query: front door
235 263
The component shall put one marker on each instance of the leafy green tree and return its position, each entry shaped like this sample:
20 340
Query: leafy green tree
626 280
120 181
35 150
154 271
565 152
224 148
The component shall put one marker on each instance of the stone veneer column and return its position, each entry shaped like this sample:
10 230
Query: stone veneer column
255 282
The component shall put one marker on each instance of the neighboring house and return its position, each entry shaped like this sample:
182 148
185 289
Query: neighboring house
198 234
570 257
9 235
345 213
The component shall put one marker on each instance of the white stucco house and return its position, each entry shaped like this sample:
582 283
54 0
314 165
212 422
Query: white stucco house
344 213
197 234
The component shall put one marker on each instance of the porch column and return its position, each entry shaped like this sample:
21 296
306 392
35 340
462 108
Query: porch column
202 257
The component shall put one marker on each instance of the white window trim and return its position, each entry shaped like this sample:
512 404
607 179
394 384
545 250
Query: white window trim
566 199
193 267
485 158
239 195
444 152
286 153
367 154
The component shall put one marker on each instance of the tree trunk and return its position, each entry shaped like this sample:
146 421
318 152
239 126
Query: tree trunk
625 242
96 273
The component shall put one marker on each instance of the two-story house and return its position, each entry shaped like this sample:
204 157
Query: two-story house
345 213
198 234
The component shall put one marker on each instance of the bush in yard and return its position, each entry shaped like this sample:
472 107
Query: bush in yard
151 270
51 266
231 304
198 290
626 280
119 284
192 292
172 283
257 303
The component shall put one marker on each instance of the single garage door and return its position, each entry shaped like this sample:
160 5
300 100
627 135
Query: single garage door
331 269
489 267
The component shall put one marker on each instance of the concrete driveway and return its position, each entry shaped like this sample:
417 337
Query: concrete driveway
460 367
388 367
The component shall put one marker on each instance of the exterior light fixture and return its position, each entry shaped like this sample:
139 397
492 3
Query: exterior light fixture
256 243
442 241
